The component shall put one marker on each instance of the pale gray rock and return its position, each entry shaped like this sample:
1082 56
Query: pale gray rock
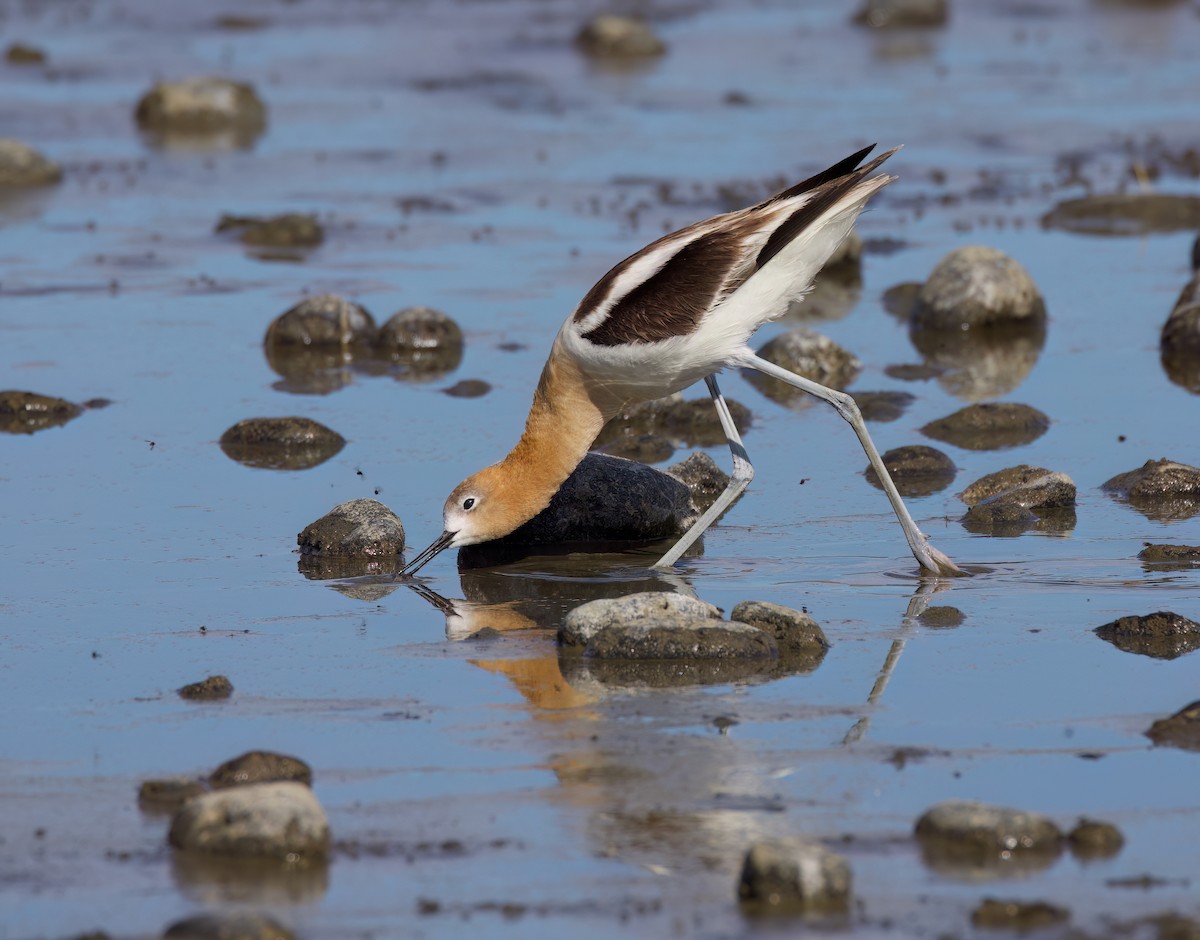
266 820
977 286
362 527
21 166
794 875
970 833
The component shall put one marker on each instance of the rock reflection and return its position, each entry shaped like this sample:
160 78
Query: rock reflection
213 880
980 363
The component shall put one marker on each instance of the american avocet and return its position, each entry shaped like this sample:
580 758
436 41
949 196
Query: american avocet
678 311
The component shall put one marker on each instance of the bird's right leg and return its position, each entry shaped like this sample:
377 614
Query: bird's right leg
743 473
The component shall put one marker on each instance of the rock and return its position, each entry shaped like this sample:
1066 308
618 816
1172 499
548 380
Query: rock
1160 489
424 342
29 412
902 14
608 36
21 165
901 299
290 230
795 632
1018 915
1092 840
1125 214
241 926
976 286
1181 555
644 448
18 53
1161 635
883 406
915 469
701 475
605 500
291 443
1010 501
468 388
1180 339
356 527
809 355
207 690
982 362
324 320
686 423
260 767
941 618
1181 730
167 794
202 105
963 834
266 820
792 876
993 426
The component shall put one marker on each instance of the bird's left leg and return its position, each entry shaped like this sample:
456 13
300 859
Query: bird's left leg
743 473
929 557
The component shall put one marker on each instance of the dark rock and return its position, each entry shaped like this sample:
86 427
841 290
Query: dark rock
1161 635
18 53
1180 340
941 618
260 767
982 362
243 926
358 527
608 36
468 388
964 836
29 412
902 14
281 821
701 475
1010 501
794 876
976 286
1184 556
606 500
202 107
883 406
1125 214
166 795
901 299
281 443
686 423
991 426
21 165
809 355
1092 839
1159 489
206 690
324 320
422 341
644 448
1018 915
290 230
916 470
1180 730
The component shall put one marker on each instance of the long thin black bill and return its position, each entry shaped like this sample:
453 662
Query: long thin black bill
441 542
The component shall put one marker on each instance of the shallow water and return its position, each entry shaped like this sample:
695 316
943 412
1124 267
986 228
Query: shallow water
138 557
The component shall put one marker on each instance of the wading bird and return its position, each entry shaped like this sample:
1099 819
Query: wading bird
680 310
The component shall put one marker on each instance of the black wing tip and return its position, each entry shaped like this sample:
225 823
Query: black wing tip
842 168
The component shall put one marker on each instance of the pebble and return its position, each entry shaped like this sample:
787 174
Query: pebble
975 286
29 412
991 426
201 105
795 632
266 820
1018 915
292 443
356 527
883 406
903 14
425 342
1161 489
916 470
701 475
21 166
1180 730
941 617
1092 840
794 876
961 833
1009 501
1125 214
323 320
19 53
1158 553
167 794
260 767
609 36
207 690
1160 635
242 926
810 355
290 230
468 388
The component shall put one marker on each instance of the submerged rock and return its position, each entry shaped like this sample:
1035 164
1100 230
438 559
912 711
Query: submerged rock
260 767
323 320
1180 730
167 794
21 166
1180 339
19 53
29 412
356 527
644 448
1160 554
701 475
203 106
1018 915
1161 635
795 633
991 426
902 14
1092 840
605 500
976 286
609 36
942 617
423 341
1159 489
207 690
809 355
290 230
468 388
1012 500
915 469
686 423
1125 214
281 821
291 443
241 926
883 406
794 876
965 835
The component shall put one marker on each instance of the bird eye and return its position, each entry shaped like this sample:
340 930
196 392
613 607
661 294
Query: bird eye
468 502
